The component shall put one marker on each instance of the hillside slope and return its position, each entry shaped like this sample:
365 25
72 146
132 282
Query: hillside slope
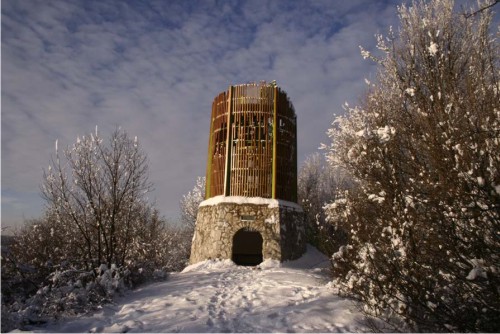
218 296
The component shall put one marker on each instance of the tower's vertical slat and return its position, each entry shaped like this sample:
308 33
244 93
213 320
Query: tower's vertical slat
210 151
269 145
227 176
295 172
275 126
244 150
238 172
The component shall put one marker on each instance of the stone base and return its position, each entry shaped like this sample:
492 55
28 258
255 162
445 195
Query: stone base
281 225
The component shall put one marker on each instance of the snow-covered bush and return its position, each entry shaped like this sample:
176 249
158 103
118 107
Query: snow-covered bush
189 205
97 190
423 148
191 201
42 276
66 291
316 186
99 234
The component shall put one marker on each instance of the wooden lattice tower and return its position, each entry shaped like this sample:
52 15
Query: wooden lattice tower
252 144
250 212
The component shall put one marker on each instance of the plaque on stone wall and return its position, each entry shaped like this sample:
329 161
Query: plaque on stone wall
247 218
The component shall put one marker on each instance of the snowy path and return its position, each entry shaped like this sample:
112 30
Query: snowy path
222 297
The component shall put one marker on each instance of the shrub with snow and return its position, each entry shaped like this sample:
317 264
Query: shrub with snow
316 187
191 201
99 234
423 149
67 291
42 277
189 205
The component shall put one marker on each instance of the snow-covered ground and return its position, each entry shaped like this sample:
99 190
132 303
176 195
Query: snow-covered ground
218 296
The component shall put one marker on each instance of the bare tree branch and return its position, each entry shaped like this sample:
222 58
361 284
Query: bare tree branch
485 7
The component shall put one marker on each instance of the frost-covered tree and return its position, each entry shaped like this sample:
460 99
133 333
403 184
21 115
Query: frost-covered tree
423 149
317 185
189 210
99 234
96 190
191 201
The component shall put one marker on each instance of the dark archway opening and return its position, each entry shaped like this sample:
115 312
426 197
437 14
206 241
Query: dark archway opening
247 248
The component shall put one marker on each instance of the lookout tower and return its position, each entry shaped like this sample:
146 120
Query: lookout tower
250 211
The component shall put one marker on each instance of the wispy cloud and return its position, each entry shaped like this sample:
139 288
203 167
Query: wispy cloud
153 67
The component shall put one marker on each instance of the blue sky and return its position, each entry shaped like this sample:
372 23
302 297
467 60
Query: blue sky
154 67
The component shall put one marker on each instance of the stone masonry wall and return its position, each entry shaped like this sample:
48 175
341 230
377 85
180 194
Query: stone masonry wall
281 228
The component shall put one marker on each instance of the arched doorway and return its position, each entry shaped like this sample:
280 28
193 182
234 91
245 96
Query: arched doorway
247 248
